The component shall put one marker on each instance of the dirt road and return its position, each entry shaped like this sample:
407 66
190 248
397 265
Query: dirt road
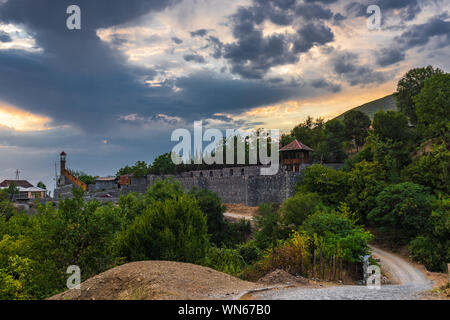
412 283
238 216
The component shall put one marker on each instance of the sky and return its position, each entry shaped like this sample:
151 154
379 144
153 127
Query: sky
112 93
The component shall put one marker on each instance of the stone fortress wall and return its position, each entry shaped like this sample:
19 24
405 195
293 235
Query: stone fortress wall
239 185
242 185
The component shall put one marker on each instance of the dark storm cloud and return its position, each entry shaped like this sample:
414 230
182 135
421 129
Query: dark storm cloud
199 33
421 34
346 65
177 40
338 18
313 11
311 35
253 54
204 94
389 56
322 1
4 37
406 9
325 84
217 46
78 78
194 57
417 35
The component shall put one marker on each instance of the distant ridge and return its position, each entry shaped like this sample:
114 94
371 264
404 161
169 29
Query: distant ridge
370 108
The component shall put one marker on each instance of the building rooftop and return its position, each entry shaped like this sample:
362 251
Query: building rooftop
296 145
18 183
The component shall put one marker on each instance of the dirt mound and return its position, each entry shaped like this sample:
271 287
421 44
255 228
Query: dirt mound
158 280
282 277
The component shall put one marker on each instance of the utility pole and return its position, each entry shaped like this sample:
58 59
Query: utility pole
17 174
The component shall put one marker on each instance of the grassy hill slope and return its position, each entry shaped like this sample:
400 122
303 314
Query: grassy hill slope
370 108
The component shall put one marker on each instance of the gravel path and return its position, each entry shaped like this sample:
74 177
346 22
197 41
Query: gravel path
412 283
238 216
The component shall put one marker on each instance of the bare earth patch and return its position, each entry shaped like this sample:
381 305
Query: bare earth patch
158 280
282 277
242 209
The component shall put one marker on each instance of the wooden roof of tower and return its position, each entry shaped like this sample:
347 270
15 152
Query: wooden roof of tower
296 145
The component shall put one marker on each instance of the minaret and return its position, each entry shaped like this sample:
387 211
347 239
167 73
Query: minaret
62 167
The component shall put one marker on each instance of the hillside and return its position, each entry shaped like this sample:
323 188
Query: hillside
158 280
370 108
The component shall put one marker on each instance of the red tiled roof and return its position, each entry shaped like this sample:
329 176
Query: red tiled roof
295 145
18 183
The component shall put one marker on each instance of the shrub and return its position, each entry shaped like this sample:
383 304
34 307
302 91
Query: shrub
212 207
432 105
331 185
250 251
402 211
269 226
224 260
296 209
431 169
337 234
391 125
433 248
162 190
174 229
366 181
131 205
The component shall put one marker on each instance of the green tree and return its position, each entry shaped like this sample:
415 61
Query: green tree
84 177
366 181
391 125
402 212
125 170
131 205
163 164
338 233
212 207
140 169
309 132
162 190
356 127
331 185
391 154
13 191
409 86
41 185
334 138
224 260
433 248
433 105
431 169
296 209
76 233
174 229
270 228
